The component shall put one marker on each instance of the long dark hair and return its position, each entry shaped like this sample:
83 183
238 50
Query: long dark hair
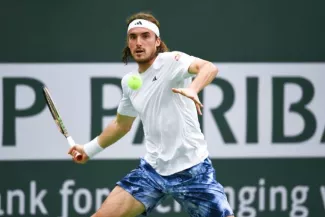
145 16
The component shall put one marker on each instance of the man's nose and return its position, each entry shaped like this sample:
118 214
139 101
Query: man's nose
138 42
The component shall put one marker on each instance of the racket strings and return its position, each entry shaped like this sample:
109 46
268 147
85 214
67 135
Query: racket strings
55 114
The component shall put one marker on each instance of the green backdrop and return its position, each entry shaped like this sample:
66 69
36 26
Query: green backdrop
222 31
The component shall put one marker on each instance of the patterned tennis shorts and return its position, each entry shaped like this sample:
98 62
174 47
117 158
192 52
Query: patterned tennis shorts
196 189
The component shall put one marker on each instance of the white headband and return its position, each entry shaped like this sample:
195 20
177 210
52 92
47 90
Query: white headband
145 24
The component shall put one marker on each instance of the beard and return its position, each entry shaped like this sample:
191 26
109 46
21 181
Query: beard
145 60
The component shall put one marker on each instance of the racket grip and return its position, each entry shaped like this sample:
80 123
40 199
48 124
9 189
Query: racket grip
75 154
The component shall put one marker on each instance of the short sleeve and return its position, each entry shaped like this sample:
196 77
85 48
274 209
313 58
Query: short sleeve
125 106
182 62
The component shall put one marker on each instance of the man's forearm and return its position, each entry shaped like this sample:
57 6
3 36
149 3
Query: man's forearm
111 134
206 73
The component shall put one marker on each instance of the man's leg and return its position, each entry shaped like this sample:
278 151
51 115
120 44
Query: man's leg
200 194
137 193
120 203
204 204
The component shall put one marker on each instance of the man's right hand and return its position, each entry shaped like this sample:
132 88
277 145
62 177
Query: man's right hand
80 149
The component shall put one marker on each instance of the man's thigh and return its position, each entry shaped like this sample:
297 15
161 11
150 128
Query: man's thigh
142 184
201 195
204 204
120 203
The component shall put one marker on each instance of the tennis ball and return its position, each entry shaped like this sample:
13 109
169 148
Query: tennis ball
134 82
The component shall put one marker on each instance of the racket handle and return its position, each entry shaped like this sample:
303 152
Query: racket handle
75 154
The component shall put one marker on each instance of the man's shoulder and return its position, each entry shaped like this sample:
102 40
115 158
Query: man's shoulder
171 55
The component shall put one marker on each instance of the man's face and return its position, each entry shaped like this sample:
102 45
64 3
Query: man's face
143 44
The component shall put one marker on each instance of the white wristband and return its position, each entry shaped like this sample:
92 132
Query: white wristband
92 148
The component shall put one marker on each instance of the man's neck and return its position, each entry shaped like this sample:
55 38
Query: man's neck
144 66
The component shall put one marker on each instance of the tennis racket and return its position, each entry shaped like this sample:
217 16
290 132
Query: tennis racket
57 118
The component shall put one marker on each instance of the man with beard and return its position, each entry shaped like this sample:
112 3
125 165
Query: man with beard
177 161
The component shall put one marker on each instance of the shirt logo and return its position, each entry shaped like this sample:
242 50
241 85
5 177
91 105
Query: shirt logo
177 56
154 78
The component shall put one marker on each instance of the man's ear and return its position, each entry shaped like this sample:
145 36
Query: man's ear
158 42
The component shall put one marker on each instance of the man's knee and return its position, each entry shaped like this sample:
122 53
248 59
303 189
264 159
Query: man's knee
96 215
102 214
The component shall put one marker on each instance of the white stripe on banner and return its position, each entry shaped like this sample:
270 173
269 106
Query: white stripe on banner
30 133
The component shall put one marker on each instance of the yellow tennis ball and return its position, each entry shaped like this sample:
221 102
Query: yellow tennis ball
134 82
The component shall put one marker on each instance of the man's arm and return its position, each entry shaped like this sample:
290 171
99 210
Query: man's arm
205 73
120 126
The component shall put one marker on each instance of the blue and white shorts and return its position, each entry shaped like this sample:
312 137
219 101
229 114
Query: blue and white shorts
196 189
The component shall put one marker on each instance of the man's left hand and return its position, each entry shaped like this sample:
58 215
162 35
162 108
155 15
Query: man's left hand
190 93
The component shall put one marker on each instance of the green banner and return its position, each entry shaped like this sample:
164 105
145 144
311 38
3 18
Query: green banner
255 187
94 31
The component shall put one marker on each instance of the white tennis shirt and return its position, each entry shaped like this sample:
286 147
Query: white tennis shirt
173 137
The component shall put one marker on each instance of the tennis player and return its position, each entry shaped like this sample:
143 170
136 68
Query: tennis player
177 161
